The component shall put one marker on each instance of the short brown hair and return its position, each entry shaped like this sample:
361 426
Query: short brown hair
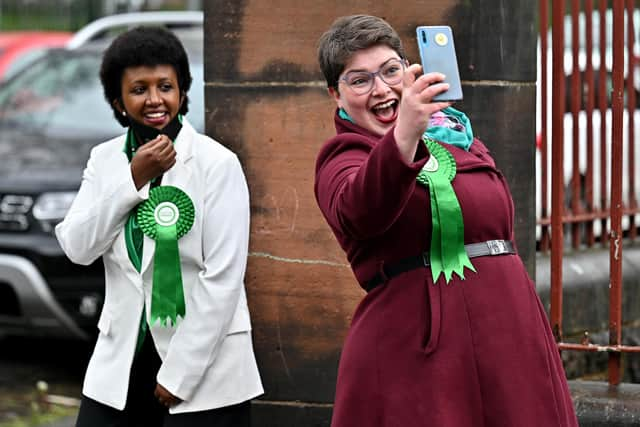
349 34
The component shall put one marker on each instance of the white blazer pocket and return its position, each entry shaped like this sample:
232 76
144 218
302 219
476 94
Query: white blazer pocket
241 321
104 323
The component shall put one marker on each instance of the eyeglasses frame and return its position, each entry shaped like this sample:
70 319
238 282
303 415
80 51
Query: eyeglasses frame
402 61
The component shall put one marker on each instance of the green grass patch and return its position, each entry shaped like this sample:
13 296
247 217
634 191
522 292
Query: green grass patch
39 416
44 21
24 408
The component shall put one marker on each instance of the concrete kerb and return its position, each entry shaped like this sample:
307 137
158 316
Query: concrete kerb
598 404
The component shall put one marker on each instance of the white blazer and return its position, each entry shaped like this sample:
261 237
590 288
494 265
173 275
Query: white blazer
208 359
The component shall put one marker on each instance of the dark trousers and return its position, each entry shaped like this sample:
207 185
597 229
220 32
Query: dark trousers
143 410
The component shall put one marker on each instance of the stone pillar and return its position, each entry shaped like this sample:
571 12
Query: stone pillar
267 101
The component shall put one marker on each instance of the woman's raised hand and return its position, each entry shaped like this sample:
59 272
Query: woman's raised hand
416 107
152 159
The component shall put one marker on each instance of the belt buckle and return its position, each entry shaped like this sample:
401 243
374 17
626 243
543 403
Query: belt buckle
496 247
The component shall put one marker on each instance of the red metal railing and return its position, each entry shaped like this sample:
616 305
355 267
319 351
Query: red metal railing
598 127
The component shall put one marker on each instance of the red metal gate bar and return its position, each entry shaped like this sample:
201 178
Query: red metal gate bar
615 236
586 217
544 176
557 162
591 103
602 106
576 101
599 348
631 107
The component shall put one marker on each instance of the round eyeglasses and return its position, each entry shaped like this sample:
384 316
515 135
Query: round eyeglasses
362 82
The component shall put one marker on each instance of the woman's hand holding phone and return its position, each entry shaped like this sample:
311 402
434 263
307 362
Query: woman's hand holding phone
416 107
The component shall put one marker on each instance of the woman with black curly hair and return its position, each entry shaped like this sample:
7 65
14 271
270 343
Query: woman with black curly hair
167 209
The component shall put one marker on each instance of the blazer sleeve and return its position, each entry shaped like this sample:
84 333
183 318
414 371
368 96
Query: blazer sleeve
215 297
106 196
362 185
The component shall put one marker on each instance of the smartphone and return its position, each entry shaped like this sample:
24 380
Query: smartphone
438 53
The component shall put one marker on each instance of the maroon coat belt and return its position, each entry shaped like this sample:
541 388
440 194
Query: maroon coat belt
474 250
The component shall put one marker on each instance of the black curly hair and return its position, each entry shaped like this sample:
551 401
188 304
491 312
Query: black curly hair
143 46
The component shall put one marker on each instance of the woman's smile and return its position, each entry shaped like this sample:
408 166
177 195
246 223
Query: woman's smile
157 118
386 112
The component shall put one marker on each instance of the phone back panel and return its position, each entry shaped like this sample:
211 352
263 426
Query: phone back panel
438 53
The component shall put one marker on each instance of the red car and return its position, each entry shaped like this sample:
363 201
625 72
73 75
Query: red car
18 47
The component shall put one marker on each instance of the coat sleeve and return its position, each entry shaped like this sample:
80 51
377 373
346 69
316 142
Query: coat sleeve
97 215
215 297
362 185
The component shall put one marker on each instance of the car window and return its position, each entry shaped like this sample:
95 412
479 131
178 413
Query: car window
62 94
53 112
23 60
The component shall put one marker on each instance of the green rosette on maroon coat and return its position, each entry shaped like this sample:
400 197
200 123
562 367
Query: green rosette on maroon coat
166 216
447 254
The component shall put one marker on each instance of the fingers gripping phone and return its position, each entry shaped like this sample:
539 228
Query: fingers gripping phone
438 53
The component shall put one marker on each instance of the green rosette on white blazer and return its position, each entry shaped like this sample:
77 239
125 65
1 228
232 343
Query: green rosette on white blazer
447 254
165 217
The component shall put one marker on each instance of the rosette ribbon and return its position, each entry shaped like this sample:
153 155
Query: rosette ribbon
447 254
166 216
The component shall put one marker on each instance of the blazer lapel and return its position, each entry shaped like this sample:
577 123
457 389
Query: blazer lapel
121 252
148 248
180 174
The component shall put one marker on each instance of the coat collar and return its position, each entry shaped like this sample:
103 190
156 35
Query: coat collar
184 142
478 155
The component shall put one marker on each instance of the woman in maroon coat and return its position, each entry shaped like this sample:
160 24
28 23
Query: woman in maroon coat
451 332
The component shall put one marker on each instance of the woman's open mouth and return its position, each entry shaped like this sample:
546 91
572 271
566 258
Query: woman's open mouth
156 118
386 112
